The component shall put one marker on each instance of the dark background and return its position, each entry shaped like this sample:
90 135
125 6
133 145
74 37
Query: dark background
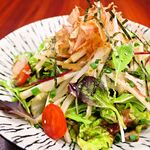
16 13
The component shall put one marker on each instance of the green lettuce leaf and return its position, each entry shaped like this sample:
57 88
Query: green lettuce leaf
126 97
80 117
16 93
121 57
102 100
108 115
140 117
148 67
93 93
94 137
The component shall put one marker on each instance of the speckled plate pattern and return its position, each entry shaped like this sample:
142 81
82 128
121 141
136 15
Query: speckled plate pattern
28 38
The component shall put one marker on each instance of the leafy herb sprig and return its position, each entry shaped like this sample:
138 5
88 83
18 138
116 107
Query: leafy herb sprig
121 57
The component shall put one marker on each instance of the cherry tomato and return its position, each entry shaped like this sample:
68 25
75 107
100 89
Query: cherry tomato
23 75
54 122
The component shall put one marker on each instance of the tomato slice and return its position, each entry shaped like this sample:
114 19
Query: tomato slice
54 122
23 75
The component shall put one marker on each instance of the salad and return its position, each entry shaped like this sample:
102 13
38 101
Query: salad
88 84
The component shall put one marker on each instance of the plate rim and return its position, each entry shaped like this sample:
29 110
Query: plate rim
27 25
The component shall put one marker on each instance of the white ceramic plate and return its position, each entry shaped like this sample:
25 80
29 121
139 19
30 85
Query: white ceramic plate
18 131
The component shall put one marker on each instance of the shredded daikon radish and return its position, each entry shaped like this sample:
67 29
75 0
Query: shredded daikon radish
67 137
62 89
67 103
133 90
88 111
58 101
80 73
140 84
46 86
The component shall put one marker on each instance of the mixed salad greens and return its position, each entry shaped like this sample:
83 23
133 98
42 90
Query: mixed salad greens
90 83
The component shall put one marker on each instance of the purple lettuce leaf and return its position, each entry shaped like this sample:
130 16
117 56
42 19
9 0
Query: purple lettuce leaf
16 109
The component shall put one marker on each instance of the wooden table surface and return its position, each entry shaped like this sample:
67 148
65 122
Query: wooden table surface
16 13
